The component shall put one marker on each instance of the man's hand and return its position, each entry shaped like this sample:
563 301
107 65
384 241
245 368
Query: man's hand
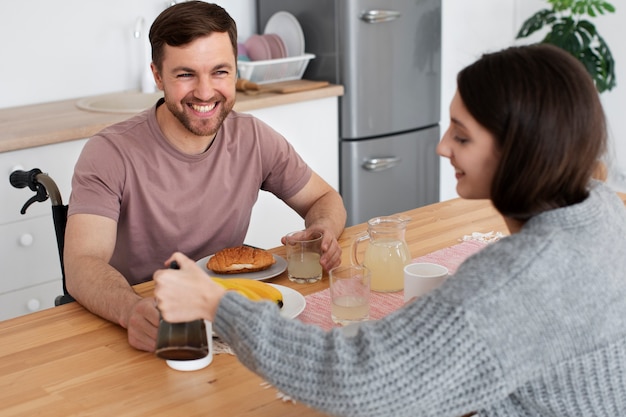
331 252
143 325
322 208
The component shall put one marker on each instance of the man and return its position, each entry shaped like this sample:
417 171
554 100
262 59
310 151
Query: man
183 176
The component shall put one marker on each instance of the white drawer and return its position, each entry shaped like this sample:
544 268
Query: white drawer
29 300
28 254
56 160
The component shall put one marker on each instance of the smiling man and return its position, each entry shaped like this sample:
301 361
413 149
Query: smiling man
181 176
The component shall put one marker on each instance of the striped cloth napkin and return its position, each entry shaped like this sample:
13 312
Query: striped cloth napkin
317 309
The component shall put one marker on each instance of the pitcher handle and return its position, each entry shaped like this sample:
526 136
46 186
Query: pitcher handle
355 244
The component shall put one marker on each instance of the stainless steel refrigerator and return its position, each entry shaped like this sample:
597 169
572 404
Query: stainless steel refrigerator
387 55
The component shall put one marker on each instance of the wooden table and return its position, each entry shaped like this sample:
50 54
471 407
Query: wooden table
66 361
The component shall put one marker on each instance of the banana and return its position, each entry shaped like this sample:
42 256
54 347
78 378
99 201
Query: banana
252 289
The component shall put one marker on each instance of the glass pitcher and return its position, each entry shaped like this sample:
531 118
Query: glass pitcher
387 252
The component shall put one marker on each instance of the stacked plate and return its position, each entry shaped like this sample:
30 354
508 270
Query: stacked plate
264 47
282 38
286 26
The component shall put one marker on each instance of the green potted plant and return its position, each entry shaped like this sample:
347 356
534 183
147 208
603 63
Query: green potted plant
571 31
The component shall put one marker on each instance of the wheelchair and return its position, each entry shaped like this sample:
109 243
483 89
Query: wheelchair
44 188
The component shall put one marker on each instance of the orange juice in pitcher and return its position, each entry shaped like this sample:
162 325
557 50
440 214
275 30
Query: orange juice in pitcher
386 254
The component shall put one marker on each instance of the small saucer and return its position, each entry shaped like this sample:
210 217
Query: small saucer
193 365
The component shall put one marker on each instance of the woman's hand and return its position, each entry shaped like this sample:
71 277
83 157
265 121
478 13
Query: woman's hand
187 293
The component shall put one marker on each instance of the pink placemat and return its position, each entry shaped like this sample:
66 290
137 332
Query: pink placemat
317 309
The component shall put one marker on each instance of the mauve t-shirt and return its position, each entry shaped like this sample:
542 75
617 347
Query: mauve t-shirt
165 201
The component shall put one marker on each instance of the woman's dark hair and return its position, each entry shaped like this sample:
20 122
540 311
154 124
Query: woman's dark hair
545 114
184 22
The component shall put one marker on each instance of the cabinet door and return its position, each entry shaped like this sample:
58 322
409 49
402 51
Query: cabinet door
312 128
56 160
389 175
391 68
29 300
29 254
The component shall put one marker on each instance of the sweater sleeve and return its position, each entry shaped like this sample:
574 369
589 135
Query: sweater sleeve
425 359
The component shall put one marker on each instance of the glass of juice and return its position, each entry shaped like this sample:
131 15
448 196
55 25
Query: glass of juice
350 294
303 256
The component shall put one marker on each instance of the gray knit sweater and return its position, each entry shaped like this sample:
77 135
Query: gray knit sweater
533 325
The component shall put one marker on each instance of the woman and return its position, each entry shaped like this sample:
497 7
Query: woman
531 325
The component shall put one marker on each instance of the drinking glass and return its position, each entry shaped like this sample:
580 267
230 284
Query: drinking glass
303 256
350 294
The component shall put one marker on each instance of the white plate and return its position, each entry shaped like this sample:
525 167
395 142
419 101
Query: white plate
285 25
293 302
278 268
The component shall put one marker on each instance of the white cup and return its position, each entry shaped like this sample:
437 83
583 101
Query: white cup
195 364
421 278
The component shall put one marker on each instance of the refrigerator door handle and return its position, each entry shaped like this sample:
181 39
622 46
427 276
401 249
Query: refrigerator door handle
379 16
380 164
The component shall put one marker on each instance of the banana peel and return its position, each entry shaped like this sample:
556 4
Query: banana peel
252 289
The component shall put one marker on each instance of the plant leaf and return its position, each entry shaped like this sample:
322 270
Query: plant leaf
599 63
587 26
577 36
608 7
604 51
563 35
586 33
535 23
560 5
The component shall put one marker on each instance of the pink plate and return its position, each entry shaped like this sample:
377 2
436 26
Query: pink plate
277 46
258 48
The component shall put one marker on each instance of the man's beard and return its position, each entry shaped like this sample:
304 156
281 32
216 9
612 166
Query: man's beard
205 127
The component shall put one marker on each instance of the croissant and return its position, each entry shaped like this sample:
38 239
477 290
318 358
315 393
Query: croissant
240 259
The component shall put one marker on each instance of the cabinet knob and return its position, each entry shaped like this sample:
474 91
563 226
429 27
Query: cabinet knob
33 304
17 167
26 239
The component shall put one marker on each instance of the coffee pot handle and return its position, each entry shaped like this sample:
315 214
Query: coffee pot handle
355 247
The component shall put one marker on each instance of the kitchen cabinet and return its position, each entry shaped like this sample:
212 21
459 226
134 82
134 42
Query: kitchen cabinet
31 273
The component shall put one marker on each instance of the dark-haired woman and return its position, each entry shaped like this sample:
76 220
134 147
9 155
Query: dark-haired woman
532 325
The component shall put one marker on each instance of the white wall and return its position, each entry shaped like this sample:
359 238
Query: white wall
74 48
468 30
612 30
473 27
55 50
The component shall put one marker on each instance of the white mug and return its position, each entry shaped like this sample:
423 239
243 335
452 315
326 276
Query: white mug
421 278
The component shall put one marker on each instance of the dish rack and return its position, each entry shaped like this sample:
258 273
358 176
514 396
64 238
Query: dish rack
274 70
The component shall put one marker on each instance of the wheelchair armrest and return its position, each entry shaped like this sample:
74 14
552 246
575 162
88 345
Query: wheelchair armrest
63 299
